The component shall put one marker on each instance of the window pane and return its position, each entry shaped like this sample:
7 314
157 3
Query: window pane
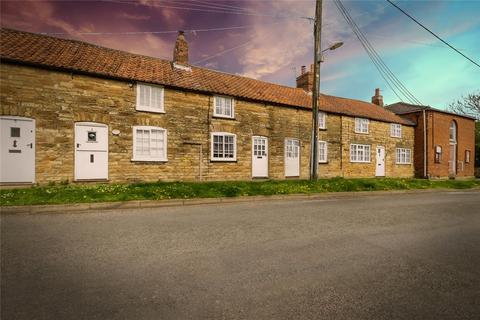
157 97
143 142
157 143
322 152
218 101
144 95
321 120
14 132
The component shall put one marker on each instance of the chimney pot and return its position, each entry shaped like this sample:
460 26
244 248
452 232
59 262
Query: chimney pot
304 69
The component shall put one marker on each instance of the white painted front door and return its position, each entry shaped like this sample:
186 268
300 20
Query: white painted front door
259 157
292 157
380 169
452 162
17 159
91 151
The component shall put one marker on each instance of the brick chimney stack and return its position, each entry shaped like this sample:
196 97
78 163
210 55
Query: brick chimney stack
180 52
377 98
305 79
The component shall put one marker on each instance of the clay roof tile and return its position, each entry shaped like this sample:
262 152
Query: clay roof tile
46 51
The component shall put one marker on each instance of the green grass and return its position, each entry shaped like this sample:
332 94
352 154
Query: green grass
75 193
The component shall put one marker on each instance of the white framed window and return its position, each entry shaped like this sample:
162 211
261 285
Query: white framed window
396 130
150 98
223 146
403 156
360 152
322 151
361 125
149 143
224 107
322 120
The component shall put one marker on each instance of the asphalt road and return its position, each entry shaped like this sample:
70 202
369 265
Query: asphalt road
394 256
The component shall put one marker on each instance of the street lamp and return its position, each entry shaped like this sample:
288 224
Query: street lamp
315 98
334 46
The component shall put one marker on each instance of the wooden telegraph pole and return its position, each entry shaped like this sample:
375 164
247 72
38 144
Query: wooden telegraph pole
316 90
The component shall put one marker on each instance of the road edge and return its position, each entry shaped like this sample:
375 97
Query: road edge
137 204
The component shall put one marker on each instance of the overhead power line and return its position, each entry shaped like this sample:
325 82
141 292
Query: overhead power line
432 33
376 35
391 80
218 6
92 33
212 10
224 51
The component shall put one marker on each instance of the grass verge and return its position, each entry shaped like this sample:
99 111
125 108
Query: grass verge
73 193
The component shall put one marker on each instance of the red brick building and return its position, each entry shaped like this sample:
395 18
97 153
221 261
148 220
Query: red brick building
444 141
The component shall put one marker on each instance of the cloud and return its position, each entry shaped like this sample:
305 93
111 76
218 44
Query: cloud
34 15
276 46
169 16
129 16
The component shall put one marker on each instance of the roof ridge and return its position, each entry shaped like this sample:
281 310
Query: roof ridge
351 99
150 57
81 42
409 104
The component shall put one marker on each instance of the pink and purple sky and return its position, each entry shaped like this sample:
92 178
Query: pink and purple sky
277 39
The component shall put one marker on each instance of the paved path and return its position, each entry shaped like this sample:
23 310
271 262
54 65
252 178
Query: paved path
414 256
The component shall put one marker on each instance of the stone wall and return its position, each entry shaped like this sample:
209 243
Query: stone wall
56 100
340 133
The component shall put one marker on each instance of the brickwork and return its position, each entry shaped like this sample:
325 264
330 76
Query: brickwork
56 100
438 134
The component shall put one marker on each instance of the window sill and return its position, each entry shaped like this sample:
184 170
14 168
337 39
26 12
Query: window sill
148 160
360 161
223 160
216 116
150 110
403 164
361 132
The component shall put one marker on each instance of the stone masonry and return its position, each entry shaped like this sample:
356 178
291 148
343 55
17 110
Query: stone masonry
56 100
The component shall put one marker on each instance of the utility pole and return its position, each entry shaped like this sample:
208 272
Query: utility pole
316 90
